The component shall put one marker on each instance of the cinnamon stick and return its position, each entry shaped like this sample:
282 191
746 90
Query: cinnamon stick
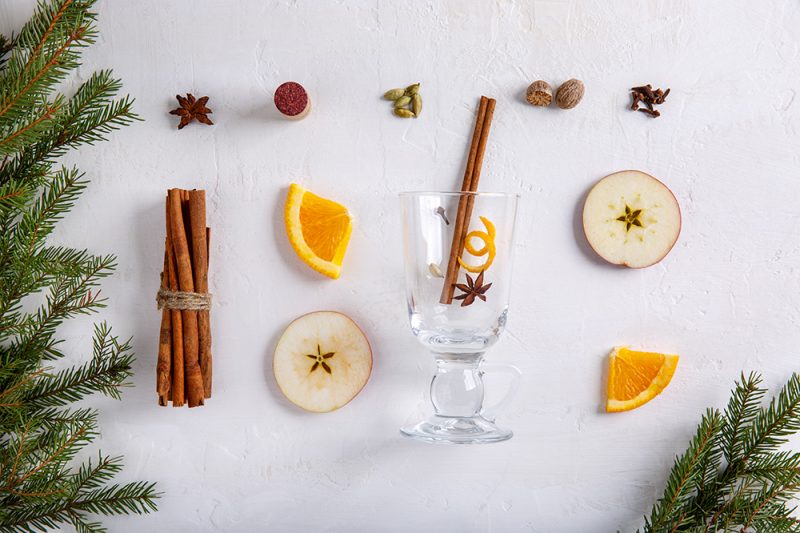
476 176
184 194
164 366
180 246
177 389
469 184
197 219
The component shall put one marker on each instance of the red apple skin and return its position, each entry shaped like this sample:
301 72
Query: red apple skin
680 222
371 358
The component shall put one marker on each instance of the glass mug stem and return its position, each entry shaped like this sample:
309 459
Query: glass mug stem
457 387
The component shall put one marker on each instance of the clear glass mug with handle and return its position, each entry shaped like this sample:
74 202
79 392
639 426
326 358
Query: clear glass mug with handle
457 289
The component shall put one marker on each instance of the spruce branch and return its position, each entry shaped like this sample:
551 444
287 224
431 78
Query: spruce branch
672 511
44 52
734 476
107 371
5 48
772 425
30 129
41 432
743 406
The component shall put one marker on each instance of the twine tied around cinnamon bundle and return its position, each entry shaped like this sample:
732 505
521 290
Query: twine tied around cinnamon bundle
183 301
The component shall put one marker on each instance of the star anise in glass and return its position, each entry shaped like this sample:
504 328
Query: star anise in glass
473 289
191 109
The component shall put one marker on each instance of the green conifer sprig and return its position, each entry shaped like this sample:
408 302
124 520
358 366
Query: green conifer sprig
42 484
734 476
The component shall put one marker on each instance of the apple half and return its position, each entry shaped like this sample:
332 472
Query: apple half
632 219
322 361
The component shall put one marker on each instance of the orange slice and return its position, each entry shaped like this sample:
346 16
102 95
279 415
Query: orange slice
635 378
318 229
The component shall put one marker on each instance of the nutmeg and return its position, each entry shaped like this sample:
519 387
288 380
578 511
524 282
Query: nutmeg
539 93
569 94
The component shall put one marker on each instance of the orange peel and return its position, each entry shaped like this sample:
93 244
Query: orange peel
489 248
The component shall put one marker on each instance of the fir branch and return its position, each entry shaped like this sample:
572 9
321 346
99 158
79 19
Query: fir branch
733 477
37 224
44 52
742 408
131 498
107 371
69 296
53 417
40 433
90 477
673 510
91 114
5 48
772 426
30 130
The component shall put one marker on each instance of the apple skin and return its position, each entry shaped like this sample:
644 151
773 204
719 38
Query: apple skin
369 374
623 263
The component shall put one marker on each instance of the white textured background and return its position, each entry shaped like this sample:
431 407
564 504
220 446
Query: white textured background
726 298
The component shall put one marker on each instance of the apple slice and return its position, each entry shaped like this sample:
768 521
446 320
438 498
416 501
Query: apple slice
322 361
630 218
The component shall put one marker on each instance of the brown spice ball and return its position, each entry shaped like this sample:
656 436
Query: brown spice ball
569 94
539 93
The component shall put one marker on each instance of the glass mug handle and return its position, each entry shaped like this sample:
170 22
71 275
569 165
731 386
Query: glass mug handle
490 413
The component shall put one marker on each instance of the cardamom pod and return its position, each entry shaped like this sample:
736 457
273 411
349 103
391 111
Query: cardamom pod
403 112
394 94
411 90
416 104
402 101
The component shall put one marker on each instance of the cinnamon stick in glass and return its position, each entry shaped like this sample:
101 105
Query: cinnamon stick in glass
197 218
476 176
472 175
180 246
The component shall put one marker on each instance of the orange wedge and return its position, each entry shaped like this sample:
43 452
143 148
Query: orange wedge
635 378
318 229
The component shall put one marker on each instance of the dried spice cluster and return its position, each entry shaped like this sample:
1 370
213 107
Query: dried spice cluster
407 102
646 95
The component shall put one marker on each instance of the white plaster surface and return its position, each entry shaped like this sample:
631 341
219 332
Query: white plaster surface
726 298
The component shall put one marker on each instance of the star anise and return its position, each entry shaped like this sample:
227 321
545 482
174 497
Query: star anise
319 360
473 289
191 109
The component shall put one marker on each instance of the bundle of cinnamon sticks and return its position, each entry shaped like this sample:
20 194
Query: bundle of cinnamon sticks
183 372
472 176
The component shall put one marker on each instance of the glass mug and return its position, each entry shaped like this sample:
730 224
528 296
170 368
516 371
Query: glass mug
459 332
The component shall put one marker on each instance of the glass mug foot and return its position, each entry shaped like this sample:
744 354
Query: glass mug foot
445 430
